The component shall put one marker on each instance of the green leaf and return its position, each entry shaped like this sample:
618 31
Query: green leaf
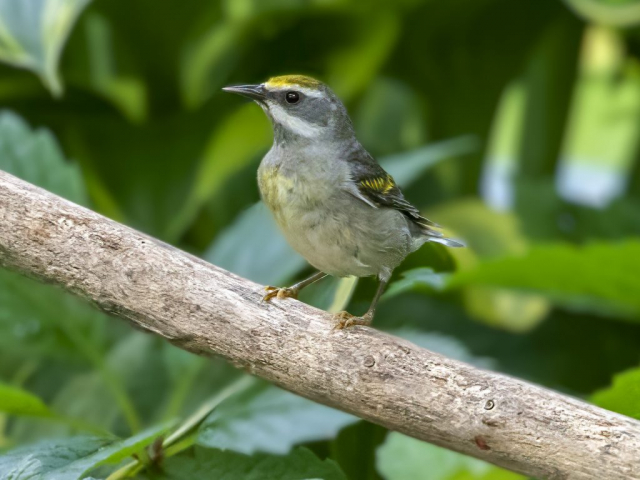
353 66
207 61
618 13
126 91
119 394
35 320
122 449
206 464
355 450
71 458
407 167
505 308
599 277
33 33
390 118
550 80
229 150
254 248
16 401
501 307
418 277
267 419
123 382
546 217
34 156
623 396
43 459
405 458
243 10
487 234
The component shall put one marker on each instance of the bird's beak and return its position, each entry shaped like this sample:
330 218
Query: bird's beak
254 92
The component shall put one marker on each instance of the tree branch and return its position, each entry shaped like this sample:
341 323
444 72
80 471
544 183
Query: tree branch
389 381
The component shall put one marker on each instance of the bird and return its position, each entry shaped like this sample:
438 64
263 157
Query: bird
335 205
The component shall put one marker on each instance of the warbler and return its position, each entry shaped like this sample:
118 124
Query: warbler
334 203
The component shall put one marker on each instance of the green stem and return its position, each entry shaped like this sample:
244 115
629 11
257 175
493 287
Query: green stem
90 352
124 471
182 389
135 467
182 445
24 372
113 382
206 408
184 437
19 378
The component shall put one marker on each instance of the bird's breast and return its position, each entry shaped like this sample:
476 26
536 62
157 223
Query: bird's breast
274 187
291 194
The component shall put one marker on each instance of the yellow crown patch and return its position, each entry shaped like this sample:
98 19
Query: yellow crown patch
293 80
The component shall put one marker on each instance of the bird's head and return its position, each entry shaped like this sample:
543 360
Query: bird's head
300 107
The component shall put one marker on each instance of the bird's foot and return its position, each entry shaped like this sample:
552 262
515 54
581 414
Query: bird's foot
345 320
280 293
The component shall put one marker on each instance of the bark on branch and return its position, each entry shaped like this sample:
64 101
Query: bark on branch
384 379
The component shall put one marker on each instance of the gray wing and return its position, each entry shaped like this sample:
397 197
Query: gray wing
377 188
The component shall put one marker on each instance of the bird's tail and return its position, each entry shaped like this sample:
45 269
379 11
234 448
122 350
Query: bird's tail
445 241
426 234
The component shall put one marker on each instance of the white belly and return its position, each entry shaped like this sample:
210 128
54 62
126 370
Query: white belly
332 230
327 242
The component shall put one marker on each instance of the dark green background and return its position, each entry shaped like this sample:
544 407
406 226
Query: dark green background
442 91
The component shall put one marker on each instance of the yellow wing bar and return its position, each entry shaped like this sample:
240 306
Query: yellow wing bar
379 184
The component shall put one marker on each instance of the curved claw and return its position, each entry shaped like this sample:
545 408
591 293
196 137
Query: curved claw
346 320
280 293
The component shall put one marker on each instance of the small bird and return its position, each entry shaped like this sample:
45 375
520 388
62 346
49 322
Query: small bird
334 203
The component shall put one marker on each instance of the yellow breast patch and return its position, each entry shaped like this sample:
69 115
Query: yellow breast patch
274 187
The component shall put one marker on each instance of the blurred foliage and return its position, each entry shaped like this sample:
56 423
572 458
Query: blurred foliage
202 465
623 395
620 13
266 419
514 124
405 458
32 35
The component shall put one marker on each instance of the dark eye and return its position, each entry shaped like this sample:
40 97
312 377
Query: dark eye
292 97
